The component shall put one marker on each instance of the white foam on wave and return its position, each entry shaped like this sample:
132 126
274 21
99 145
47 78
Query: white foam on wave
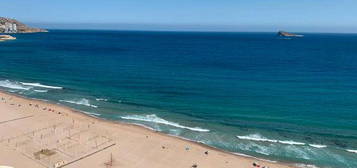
352 151
245 155
101 99
154 119
13 85
92 114
82 101
298 152
317 146
306 166
41 85
261 149
258 137
291 142
40 91
40 99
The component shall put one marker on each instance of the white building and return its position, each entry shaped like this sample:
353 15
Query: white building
9 28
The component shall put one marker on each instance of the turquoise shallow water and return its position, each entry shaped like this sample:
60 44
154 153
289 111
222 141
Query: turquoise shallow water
282 99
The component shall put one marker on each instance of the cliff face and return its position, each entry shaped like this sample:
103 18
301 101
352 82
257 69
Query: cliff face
13 26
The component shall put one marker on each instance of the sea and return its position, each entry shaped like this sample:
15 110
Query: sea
281 99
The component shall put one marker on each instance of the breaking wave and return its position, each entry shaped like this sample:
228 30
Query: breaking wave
352 151
257 137
83 101
40 91
317 146
101 99
92 114
154 119
291 142
249 156
306 166
13 85
41 85
25 86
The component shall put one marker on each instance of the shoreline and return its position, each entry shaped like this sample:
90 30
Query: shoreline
6 38
74 114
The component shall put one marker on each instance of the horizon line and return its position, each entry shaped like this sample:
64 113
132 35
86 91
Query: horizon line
192 27
191 31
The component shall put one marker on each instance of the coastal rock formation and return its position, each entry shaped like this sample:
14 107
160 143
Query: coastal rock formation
6 37
13 26
286 34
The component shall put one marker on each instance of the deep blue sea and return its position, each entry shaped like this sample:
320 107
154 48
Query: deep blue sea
284 99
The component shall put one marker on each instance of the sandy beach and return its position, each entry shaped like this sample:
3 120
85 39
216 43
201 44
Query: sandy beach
38 134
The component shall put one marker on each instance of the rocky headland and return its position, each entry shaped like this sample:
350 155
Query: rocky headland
8 25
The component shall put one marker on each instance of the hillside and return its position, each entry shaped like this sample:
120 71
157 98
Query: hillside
13 26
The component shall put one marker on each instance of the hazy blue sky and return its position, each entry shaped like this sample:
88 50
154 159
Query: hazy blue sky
227 15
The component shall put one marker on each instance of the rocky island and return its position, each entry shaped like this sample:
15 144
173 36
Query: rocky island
8 25
286 34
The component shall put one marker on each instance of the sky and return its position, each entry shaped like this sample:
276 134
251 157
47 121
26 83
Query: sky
210 15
